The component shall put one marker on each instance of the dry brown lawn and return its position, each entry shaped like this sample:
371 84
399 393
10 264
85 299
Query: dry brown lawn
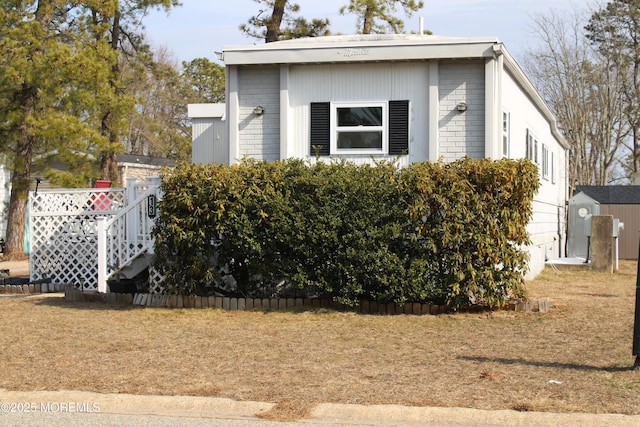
575 358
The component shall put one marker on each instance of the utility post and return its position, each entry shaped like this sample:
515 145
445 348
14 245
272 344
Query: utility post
636 323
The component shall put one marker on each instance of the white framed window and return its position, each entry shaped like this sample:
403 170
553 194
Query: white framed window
359 128
553 168
506 125
532 147
545 161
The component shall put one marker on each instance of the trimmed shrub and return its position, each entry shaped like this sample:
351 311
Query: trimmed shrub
434 232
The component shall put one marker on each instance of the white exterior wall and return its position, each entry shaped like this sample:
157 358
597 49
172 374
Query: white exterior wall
547 228
357 83
259 136
461 134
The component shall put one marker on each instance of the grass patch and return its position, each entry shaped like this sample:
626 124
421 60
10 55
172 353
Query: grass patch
575 358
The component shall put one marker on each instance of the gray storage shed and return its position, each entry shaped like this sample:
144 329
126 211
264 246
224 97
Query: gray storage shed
622 202
209 133
581 208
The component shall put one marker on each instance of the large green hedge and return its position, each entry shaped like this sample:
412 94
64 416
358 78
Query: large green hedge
442 233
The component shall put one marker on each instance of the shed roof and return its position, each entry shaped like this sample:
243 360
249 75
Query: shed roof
582 198
612 194
145 160
205 111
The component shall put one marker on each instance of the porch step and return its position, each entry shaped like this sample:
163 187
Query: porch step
123 286
136 267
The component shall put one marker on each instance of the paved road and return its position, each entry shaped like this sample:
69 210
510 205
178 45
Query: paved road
74 408
100 420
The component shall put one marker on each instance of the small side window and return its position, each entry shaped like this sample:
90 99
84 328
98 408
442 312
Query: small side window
506 125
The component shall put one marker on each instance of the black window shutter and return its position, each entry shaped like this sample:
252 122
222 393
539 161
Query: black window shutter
320 129
398 127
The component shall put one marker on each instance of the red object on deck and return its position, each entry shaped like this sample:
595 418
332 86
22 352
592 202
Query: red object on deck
102 183
101 201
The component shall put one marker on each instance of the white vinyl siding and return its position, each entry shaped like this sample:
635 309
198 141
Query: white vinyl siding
359 83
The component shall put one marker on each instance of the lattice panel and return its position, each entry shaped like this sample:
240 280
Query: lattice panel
156 282
62 230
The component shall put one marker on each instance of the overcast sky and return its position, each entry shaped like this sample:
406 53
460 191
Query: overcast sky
201 27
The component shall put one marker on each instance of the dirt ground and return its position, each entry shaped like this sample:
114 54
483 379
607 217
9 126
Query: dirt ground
575 358
16 268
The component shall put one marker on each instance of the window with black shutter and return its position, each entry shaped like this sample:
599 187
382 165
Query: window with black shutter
359 128
320 128
398 127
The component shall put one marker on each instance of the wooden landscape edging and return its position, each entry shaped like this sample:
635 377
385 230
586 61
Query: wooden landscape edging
32 288
272 304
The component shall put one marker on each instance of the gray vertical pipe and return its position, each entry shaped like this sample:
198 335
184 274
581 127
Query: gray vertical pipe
636 323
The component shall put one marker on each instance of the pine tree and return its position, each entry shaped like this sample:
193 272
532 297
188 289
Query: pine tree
61 94
46 67
270 26
369 11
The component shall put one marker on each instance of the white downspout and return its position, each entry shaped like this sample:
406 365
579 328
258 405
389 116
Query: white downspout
494 68
233 114
434 111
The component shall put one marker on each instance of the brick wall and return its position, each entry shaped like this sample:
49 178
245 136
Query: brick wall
259 135
461 134
138 171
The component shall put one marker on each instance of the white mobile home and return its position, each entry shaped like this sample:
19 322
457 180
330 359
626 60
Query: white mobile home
408 97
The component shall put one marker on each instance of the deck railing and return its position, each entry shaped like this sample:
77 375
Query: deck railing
127 236
65 225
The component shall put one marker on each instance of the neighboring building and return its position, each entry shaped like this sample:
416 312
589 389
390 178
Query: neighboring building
140 167
623 203
411 98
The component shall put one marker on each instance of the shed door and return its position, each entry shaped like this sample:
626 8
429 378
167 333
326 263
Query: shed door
210 143
578 241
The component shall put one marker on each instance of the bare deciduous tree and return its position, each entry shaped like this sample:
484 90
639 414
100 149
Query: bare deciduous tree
615 30
584 92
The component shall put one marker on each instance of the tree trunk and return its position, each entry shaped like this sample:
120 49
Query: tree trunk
109 166
108 161
14 244
367 21
28 99
273 24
